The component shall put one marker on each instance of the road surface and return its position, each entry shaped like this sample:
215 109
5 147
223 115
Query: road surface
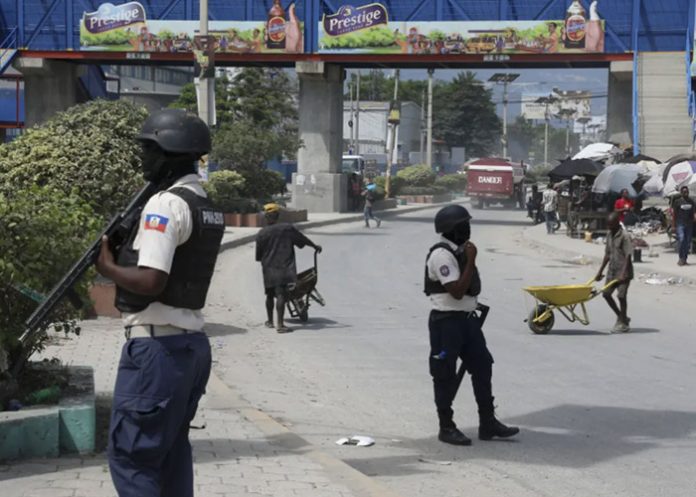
600 414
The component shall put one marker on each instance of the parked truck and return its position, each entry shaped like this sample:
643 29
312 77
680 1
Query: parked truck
494 180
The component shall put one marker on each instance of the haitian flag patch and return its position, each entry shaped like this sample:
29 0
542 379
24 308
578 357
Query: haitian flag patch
156 222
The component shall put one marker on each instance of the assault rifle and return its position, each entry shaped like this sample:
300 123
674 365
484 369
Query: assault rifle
117 230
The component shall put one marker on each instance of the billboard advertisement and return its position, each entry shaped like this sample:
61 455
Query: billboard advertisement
126 28
368 29
559 104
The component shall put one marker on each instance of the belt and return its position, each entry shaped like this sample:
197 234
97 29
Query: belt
154 331
444 314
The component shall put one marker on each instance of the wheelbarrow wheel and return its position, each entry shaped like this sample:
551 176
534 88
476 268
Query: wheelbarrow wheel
543 327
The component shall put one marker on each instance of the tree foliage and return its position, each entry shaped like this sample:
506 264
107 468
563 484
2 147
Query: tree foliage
42 232
464 114
90 145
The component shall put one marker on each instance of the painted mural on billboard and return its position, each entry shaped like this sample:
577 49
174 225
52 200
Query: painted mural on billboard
126 28
367 29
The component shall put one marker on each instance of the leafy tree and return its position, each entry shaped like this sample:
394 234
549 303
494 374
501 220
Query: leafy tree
42 232
463 110
466 115
90 145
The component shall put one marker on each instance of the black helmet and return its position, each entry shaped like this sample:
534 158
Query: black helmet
448 217
177 131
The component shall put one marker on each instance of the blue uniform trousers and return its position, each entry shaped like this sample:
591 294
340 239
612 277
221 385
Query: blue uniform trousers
158 386
457 335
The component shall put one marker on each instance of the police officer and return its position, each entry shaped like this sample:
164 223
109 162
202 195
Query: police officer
162 277
452 282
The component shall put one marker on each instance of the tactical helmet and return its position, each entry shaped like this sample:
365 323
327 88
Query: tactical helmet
449 217
177 131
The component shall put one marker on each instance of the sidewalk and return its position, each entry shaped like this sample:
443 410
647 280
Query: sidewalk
235 237
238 450
659 266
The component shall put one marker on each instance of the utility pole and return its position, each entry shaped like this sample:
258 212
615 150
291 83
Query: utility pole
429 145
357 117
204 83
422 128
505 79
351 123
394 119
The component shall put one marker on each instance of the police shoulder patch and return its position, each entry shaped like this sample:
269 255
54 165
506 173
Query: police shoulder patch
444 270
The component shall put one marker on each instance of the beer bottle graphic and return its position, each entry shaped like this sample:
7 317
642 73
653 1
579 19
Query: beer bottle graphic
275 27
575 26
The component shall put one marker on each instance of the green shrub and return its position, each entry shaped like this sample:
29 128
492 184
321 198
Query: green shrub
42 233
420 175
452 182
225 189
423 190
396 184
90 146
263 184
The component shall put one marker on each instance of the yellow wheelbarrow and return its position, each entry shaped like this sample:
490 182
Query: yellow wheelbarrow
562 298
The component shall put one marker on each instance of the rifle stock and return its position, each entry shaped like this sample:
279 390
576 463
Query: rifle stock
119 224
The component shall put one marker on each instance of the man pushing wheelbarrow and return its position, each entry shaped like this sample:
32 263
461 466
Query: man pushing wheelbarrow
569 300
618 257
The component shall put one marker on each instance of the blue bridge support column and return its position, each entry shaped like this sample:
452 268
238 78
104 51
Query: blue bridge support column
319 185
49 86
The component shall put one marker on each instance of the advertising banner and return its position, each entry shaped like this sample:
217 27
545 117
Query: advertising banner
126 28
367 29
558 104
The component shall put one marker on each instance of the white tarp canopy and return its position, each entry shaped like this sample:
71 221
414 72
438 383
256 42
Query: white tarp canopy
616 177
681 174
598 151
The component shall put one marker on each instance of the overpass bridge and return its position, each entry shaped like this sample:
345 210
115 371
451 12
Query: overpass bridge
645 44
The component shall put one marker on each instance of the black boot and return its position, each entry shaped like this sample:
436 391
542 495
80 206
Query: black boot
490 427
453 436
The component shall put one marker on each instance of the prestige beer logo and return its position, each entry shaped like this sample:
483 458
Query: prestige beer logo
349 19
109 16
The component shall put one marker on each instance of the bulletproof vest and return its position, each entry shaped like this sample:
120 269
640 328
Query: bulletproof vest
432 287
193 264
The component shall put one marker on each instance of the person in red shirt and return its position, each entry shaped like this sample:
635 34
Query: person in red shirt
623 205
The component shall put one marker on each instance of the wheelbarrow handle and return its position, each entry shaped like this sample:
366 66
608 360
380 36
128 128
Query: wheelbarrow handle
609 285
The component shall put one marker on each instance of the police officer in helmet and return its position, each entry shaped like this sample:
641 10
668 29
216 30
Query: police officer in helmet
452 282
162 276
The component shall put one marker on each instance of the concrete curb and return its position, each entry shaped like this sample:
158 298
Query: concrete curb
328 222
66 428
221 397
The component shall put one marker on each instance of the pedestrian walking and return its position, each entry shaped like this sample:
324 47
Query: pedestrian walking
453 284
684 209
550 202
534 203
275 250
370 197
617 257
162 277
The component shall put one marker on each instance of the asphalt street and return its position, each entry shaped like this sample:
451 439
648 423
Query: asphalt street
600 414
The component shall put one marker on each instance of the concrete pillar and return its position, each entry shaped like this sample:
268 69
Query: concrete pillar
50 86
620 103
319 185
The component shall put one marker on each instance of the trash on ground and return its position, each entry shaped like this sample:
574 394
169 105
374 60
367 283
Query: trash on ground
433 461
359 440
580 260
657 281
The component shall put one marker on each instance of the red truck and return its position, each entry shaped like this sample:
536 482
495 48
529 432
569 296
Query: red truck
494 180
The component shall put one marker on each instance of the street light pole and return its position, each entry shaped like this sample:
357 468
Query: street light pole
357 117
505 79
394 118
203 105
429 144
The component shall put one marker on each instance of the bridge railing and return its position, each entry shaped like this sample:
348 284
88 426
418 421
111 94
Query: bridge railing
8 50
